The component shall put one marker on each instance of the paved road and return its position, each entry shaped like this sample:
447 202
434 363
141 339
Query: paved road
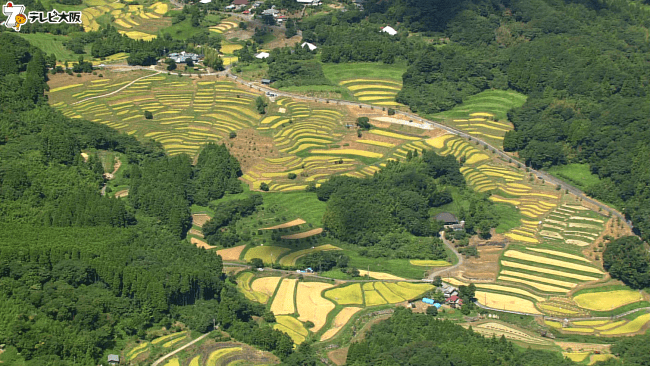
163 358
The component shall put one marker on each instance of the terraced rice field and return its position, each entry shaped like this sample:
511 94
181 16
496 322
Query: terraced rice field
348 295
506 302
608 300
137 350
283 303
223 27
499 329
341 319
572 224
265 285
546 270
269 254
311 306
374 91
379 275
484 115
136 21
293 327
290 259
607 327
576 356
186 113
244 285
303 235
461 149
168 337
429 263
231 254
217 355
291 223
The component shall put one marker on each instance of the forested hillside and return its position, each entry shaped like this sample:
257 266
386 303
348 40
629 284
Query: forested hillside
584 65
80 273
417 339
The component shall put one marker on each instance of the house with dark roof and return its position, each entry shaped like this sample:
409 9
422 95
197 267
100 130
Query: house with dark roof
450 221
240 2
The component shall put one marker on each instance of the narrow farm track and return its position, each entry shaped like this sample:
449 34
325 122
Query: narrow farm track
163 358
453 249
120 89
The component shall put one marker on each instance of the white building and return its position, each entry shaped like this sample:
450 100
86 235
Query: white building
309 2
205 1
388 29
262 55
311 46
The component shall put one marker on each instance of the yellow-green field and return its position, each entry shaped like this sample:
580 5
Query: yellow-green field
269 254
374 91
136 21
609 300
293 327
290 259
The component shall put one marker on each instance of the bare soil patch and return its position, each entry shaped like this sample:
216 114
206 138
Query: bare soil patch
338 356
282 41
231 271
195 232
200 219
201 244
122 193
483 268
291 223
250 148
303 235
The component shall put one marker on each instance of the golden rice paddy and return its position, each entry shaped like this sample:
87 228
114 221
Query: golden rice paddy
379 275
348 295
283 302
506 302
539 286
292 223
231 254
215 356
303 235
311 306
367 154
393 135
265 285
553 262
429 263
609 300
539 278
293 327
509 289
576 356
560 254
167 337
547 271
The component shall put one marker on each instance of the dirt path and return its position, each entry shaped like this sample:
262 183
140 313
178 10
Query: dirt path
453 249
163 358
118 90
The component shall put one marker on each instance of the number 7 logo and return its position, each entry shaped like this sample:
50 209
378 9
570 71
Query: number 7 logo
15 14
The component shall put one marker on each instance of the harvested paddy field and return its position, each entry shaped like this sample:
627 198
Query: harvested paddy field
608 300
265 285
379 275
231 254
311 306
339 322
284 301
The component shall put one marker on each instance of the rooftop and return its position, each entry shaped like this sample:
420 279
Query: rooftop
446 217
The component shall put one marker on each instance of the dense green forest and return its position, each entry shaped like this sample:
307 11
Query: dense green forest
81 273
419 339
628 259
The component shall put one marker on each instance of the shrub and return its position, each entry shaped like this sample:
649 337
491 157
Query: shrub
148 115
432 310
391 111
264 187
292 176
233 134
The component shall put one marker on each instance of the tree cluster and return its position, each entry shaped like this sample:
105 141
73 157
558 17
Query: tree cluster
418 339
627 259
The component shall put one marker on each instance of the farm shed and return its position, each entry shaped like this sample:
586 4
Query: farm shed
266 81
113 359
447 218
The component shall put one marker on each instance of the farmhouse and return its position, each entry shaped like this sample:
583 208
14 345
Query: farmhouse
455 301
266 81
271 11
113 359
239 3
450 221
183 57
449 291
390 30
311 46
